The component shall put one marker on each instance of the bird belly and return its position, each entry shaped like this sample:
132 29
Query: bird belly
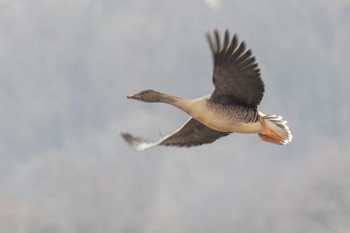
227 122
222 118
231 125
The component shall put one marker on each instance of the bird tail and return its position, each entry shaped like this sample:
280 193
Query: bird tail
275 129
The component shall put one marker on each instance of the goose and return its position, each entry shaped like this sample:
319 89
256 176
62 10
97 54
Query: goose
231 108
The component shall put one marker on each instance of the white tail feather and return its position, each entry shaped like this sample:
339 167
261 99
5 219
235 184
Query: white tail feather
278 125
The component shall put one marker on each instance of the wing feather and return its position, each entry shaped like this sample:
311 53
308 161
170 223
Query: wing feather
236 76
192 133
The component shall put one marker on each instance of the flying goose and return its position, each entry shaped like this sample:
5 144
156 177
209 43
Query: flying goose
231 108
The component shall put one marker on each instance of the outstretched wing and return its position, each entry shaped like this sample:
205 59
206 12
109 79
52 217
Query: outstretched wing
236 75
192 133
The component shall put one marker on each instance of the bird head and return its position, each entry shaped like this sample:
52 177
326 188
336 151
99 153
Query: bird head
146 96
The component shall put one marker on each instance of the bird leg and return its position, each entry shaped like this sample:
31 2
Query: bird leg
269 135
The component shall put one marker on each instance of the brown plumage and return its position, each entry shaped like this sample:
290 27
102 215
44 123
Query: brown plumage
236 76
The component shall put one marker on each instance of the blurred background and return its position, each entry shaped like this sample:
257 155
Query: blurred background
67 66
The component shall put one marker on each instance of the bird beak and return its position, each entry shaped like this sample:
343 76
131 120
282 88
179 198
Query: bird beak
135 97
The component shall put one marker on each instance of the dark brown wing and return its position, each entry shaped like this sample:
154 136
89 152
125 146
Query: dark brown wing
236 75
192 133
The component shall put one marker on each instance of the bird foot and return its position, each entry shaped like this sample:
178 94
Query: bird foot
269 135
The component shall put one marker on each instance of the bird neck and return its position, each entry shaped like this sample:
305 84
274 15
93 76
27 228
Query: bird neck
181 103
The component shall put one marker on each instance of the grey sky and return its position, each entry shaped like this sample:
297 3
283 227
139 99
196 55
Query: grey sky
67 66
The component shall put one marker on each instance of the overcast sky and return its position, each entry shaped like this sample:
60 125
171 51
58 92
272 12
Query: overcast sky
67 66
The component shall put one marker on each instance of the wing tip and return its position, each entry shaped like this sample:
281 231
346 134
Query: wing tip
137 143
